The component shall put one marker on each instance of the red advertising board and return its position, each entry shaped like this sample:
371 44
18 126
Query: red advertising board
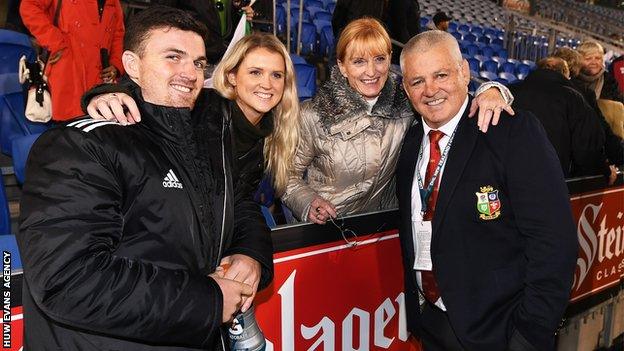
337 297
13 330
600 228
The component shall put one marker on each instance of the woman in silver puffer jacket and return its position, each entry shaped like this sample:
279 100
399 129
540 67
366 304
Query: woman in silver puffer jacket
352 131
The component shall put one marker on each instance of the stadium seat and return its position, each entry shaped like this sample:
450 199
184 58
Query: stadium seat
529 63
484 40
452 27
268 217
476 30
306 80
470 37
297 59
280 20
13 46
323 15
508 67
319 24
472 50
326 3
313 3
474 64
463 28
490 66
502 54
522 70
509 77
423 22
514 61
326 41
457 36
308 38
331 7
21 149
313 10
487 51
294 13
488 75
481 58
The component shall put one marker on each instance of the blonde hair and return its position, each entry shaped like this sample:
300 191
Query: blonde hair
363 36
280 145
590 47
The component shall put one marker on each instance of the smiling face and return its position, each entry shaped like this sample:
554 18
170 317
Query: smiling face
593 63
170 67
436 83
366 73
258 82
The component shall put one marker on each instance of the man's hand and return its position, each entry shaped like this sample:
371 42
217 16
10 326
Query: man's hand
110 107
243 269
321 210
233 292
55 57
490 104
613 172
249 12
108 74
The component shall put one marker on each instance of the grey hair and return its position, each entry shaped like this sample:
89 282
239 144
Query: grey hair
428 40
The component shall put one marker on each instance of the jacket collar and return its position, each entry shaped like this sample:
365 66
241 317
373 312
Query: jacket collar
171 123
336 101
541 75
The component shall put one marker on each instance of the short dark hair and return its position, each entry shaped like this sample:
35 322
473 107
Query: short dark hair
158 16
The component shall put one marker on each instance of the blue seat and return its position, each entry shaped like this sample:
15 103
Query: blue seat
323 15
502 54
487 51
423 22
280 20
509 77
514 61
529 63
457 36
474 64
306 80
331 7
268 217
481 58
522 70
326 41
490 66
327 3
319 24
476 30
503 81
470 37
463 28
13 46
297 59
313 3
508 67
452 26
21 149
498 41
5 217
308 38
313 10
484 40
294 13
488 75
472 50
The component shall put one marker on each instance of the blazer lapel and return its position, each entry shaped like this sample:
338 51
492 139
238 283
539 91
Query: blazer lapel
409 153
463 144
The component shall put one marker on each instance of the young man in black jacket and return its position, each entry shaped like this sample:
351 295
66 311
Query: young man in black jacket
123 229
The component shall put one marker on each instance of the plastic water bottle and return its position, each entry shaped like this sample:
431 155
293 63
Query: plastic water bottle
245 334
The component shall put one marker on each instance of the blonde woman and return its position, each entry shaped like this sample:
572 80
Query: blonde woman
256 89
593 74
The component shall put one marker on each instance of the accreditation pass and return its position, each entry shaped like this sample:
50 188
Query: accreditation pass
421 230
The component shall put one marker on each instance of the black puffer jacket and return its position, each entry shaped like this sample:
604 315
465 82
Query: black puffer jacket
120 227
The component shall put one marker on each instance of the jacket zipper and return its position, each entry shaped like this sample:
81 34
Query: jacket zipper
225 194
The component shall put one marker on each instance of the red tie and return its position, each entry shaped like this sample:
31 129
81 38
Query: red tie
429 285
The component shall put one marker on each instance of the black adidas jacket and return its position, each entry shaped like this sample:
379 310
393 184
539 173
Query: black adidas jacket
120 226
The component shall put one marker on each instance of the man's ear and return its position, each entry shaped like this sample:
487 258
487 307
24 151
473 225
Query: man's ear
131 63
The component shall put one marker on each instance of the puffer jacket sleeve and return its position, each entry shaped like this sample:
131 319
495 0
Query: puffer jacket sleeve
252 237
299 194
71 222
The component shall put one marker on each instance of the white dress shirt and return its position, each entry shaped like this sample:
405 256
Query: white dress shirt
421 166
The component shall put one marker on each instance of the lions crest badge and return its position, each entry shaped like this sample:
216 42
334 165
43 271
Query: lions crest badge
488 204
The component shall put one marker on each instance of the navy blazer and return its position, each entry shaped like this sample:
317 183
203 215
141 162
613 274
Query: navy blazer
496 272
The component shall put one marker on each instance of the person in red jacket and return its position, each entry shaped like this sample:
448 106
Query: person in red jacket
88 35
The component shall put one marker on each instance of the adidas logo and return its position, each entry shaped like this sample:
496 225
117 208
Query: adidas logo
171 181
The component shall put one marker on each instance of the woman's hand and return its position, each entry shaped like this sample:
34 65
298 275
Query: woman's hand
490 104
110 107
321 210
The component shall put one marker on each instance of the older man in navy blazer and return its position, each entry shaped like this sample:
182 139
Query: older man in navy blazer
488 241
